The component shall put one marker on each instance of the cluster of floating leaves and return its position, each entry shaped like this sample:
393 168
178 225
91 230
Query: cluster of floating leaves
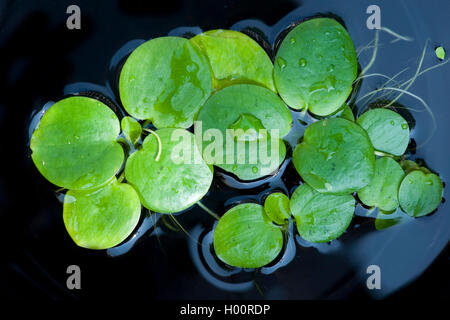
224 80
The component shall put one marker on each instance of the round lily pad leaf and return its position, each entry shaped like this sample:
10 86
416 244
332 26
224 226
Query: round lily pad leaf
277 208
169 173
245 238
240 129
335 156
131 129
315 66
420 193
388 131
382 191
74 145
235 58
165 80
101 218
321 217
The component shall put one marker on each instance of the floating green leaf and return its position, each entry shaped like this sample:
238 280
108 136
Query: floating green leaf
315 66
169 173
382 191
245 238
420 193
440 53
346 113
277 208
388 131
244 121
336 156
131 129
74 145
165 80
321 217
101 218
235 58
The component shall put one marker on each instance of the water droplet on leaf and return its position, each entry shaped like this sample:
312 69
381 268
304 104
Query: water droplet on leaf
281 63
302 62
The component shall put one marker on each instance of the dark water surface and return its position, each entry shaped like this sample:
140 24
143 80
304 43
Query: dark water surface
41 61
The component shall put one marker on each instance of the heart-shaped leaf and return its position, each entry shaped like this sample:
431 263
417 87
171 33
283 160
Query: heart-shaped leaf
388 131
382 191
315 66
101 218
247 123
74 145
321 217
245 238
336 156
420 193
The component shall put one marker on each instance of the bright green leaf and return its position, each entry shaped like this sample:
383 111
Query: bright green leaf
131 129
74 145
420 193
321 217
245 238
346 113
235 58
388 131
244 107
165 80
277 208
440 53
315 66
382 191
336 156
101 218
169 177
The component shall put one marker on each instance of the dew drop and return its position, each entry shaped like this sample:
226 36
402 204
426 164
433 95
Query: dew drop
428 182
330 68
292 40
281 63
302 62
392 123
234 168
255 169
404 126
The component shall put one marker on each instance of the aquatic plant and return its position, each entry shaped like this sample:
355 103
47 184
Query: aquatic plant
165 80
235 58
222 85
245 237
315 66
